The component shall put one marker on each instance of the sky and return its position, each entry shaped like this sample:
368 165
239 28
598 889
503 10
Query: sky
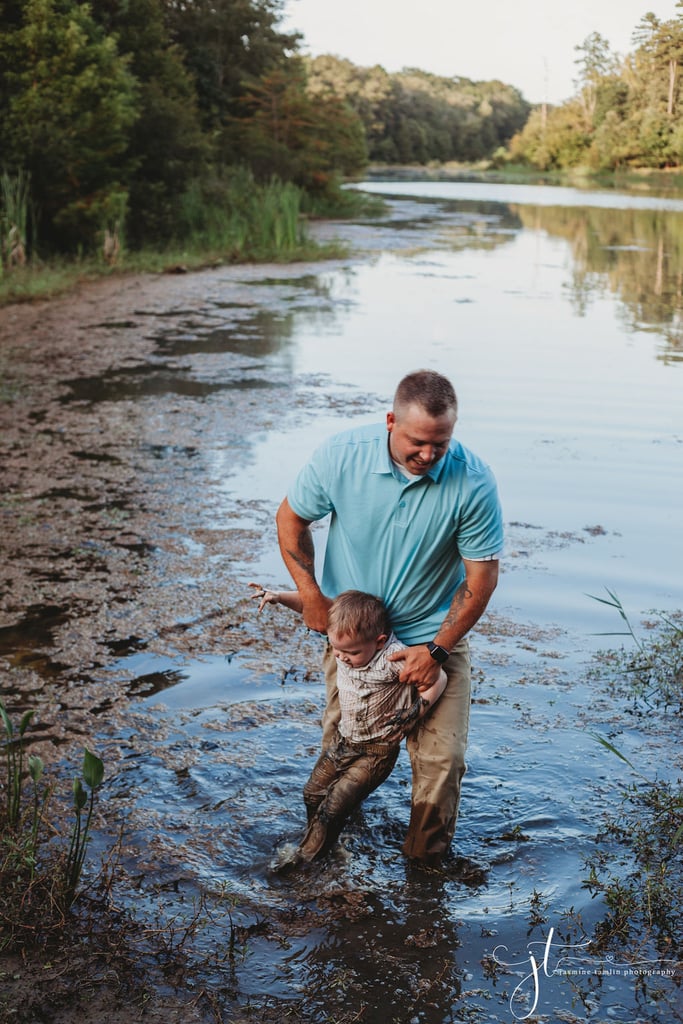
525 43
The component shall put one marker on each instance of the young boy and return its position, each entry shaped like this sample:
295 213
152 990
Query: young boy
377 712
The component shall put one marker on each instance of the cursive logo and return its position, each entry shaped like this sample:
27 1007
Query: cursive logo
548 960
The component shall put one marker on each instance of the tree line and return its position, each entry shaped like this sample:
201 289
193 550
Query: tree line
626 112
414 117
137 118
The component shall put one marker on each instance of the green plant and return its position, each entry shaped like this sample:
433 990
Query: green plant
614 602
654 671
14 763
39 878
93 774
637 866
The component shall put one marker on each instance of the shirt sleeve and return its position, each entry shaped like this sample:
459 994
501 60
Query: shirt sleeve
480 530
309 495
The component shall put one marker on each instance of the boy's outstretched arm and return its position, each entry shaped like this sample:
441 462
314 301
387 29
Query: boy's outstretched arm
288 598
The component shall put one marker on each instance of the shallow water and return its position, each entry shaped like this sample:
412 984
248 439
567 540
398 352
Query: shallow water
561 332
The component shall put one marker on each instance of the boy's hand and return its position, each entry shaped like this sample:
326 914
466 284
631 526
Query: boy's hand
264 596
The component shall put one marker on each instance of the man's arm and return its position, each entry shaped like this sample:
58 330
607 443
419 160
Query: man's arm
468 605
296 545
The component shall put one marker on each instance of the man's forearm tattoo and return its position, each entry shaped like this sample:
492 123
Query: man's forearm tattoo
462 595
304 555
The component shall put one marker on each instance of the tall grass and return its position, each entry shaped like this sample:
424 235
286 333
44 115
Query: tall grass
242 218
15 211
231 219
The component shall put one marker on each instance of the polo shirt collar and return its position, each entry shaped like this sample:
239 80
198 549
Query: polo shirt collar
385 464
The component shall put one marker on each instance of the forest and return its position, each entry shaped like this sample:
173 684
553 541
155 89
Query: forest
148 123
158 120
626 111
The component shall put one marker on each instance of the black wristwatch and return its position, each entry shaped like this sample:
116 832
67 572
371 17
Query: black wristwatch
439 654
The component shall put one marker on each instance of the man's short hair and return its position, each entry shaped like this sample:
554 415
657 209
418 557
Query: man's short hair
354 613
428 389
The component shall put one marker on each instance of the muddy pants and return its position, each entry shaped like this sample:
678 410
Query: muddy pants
344 774
437 754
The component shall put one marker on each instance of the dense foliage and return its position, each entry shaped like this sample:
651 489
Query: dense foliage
627 112
142 121
126 119
416 117
133 121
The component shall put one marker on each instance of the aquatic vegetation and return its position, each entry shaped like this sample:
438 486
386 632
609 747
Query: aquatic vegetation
653 673
637 866
39 878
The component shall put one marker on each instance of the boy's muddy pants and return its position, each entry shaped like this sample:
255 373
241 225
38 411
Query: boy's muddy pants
437 754
342 777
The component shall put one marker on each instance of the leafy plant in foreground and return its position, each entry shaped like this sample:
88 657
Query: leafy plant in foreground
93 774
39 878
14 763
637 865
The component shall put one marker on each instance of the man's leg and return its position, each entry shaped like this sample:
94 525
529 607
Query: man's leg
437 753
332 712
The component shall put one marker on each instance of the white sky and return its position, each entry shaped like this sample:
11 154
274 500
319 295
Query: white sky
526 43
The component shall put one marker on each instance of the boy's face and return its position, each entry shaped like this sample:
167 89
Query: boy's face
354 652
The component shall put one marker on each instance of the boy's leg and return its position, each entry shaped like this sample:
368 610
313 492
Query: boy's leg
437 753
357 775
324 772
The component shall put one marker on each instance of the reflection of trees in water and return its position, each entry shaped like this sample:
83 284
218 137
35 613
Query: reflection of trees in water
637 254
492 225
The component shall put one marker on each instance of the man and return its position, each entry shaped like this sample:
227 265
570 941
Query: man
415 519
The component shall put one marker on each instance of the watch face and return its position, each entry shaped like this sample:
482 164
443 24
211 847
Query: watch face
439 654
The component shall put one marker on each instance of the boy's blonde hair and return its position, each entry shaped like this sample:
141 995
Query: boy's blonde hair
357 614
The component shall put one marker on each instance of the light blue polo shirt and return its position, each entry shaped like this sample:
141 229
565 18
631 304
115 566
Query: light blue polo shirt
401 540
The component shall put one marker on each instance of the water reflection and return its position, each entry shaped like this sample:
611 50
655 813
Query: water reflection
636 254
628 244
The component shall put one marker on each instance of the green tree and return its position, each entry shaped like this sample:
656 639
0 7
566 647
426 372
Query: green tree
555 138
658 60
596 62
284 132
166 146
414 117
227 45
368 91
69 100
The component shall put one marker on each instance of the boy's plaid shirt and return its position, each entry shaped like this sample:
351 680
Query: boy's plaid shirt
370 695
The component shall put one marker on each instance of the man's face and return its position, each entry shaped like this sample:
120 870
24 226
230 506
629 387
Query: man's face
417 440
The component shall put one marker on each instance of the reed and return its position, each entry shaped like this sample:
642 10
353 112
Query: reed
15 213
244 219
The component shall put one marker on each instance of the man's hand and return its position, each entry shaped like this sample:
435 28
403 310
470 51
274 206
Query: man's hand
419 668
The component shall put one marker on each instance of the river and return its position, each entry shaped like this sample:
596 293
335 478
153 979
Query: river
558 317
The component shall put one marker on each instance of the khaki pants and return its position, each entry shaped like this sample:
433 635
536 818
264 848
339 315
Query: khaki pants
436 748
